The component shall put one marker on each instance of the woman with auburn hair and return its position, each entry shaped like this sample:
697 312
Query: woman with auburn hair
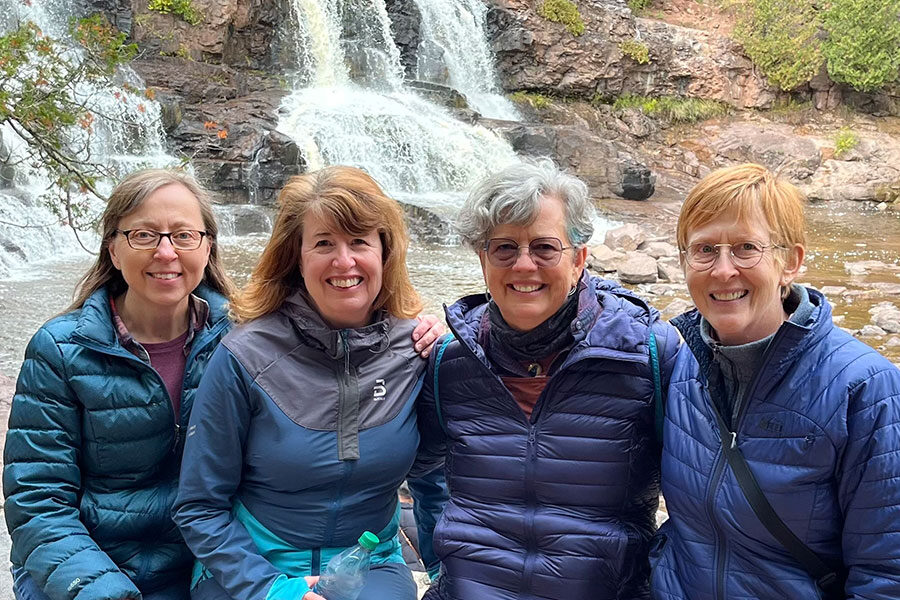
94 441
782 432
305 424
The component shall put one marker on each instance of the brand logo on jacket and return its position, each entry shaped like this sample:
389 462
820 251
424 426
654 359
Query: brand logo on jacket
379 392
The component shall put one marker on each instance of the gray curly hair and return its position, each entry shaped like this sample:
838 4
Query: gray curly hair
513 196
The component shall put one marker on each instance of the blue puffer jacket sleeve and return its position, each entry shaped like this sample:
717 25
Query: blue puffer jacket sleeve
868 485
210 475
42 484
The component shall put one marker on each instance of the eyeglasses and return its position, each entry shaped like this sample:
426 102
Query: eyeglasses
544 252
147 239
744 255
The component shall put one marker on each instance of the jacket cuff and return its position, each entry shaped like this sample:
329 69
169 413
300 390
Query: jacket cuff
287 588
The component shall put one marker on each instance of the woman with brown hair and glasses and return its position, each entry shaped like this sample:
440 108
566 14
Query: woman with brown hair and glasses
95 431
782 432
544 406
305 422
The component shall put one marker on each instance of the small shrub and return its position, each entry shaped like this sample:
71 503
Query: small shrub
844 141
637 6
183 9
532 99
565 12
673 109
781 38
636 51
863 44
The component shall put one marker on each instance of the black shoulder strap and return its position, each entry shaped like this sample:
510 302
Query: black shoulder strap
659 407
828 579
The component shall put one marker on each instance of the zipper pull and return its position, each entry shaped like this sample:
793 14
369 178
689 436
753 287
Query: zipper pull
177 437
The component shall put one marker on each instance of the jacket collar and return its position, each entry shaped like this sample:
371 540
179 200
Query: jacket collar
609 317
790 341
311 327
95 320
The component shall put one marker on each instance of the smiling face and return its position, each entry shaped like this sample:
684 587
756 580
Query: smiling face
741 305
526 294
342 272
161 279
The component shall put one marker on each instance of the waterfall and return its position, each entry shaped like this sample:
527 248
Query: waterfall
350 106
127 135
454 51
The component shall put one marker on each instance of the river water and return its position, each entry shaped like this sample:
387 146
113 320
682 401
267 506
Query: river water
838 233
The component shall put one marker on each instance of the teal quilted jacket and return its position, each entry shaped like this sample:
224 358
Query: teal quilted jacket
92 458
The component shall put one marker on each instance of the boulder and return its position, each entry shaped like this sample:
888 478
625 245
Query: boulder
637 268
833 291
406 23
886 316
871 331
658 249
676 307
637 183
892 342
627 237
604 259
669 269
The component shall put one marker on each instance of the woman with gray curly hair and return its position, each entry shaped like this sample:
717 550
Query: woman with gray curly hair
542 403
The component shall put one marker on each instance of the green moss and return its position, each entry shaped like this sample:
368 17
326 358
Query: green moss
565 12
844 141
637 6
673 109
532 99
636 51
183 9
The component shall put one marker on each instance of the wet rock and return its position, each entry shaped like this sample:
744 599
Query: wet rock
864 267
892 342
406 22
604 259
663 289
887 288
627 237
886 316
658 249
833 291
675 308
118 12
838 319
871 331
440 94
637 268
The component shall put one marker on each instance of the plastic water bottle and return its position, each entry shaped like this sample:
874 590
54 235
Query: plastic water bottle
345 575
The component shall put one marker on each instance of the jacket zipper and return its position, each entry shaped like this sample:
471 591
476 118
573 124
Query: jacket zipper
195 349
717 478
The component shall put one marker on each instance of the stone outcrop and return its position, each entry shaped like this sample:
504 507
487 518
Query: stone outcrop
225 120
536 54
234 32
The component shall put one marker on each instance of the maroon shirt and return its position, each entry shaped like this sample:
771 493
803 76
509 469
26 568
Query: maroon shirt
168 359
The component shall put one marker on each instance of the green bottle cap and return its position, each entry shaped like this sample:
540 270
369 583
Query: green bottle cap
368 540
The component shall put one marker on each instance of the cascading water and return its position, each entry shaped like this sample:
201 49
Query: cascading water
126 135
350 107
454 51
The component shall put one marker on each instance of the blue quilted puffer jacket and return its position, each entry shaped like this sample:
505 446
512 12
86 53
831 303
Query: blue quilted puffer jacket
92 458
820 430
560 506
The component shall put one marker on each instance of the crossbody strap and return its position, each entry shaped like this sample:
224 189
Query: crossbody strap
829 580
659 407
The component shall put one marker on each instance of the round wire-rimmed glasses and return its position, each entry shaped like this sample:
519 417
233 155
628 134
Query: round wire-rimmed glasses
544 251
744 255
148 239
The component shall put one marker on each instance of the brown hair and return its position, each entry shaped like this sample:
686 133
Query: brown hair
745 188
125 198
351 200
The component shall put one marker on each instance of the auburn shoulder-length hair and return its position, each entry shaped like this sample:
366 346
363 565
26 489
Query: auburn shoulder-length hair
353 202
